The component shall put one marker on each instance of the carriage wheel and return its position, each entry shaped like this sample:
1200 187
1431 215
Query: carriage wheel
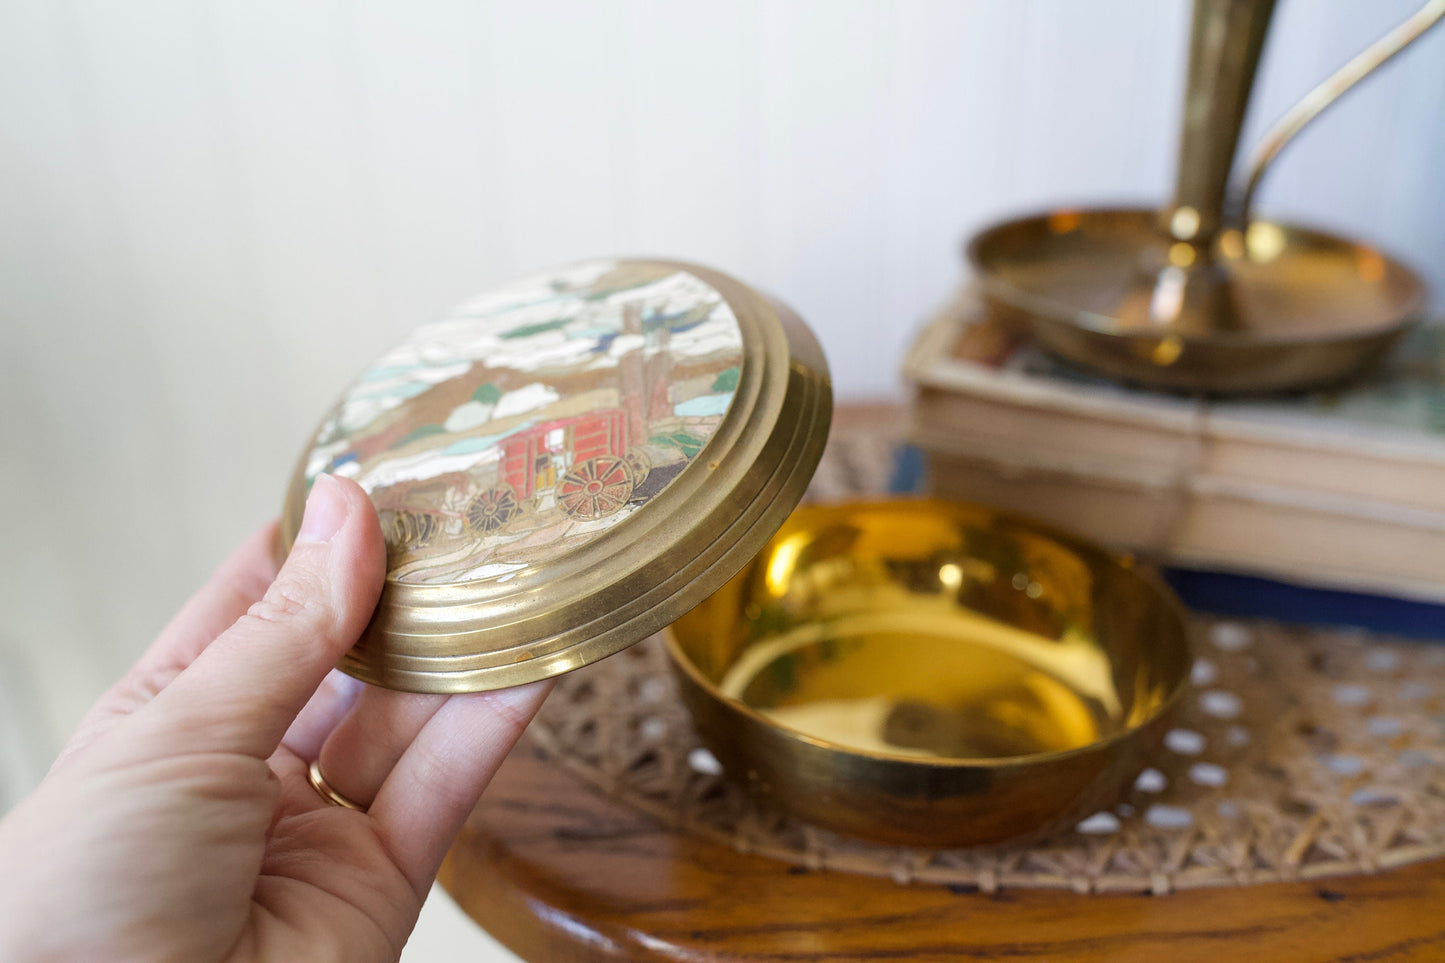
596 487
408 530
640 464
491 510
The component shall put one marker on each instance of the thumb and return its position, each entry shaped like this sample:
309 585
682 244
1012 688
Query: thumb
242 692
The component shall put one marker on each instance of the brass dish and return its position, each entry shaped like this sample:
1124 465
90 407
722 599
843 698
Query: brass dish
1300 308
1200 296
932 673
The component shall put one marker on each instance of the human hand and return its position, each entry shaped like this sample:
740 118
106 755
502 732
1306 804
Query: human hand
179 824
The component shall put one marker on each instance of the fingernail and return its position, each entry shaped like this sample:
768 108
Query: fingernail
326 510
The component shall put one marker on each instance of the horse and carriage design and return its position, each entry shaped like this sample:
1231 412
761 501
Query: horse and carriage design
584 461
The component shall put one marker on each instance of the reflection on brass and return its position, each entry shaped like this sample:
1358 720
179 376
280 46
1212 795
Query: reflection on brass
932 673
1201 297
929 681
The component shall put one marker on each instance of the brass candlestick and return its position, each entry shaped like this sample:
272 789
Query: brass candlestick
1201 296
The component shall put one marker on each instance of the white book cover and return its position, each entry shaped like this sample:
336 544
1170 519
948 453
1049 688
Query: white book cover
981 386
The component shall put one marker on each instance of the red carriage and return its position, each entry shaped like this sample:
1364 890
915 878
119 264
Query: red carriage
585 460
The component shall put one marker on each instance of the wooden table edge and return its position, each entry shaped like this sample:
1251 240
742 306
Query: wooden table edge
559 873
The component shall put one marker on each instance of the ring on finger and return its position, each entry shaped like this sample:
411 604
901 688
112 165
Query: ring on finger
326 792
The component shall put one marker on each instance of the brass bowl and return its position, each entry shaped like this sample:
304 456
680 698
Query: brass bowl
1276 308
932 673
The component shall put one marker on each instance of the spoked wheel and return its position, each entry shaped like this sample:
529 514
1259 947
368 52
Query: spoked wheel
492 510
640 464
596 487
406 531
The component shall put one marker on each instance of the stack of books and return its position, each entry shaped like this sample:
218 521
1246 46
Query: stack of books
1341 489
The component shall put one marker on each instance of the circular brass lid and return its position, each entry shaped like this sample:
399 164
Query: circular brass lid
566 464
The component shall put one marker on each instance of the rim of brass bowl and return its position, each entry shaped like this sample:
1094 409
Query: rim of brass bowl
956 801
1292 356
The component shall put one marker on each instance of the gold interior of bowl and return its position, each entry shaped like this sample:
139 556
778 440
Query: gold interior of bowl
937 631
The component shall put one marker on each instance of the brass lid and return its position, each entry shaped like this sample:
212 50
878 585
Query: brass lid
567 463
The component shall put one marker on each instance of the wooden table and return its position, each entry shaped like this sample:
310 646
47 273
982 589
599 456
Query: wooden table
560 874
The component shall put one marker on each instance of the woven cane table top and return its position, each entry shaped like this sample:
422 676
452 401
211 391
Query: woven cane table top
1298 755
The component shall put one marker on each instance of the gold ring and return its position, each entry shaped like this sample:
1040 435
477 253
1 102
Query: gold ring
324 790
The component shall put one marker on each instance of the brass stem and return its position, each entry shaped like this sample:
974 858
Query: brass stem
1225 40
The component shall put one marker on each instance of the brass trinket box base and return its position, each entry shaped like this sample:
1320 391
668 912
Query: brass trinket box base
932 673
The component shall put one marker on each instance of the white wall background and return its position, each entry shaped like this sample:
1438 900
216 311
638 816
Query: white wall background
213 213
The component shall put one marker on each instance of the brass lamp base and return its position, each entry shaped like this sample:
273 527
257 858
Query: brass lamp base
1276 308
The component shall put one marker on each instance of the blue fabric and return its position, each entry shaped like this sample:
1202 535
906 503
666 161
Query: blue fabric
1246 597
907 477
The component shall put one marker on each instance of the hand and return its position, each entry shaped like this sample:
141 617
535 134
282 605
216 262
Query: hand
178 823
